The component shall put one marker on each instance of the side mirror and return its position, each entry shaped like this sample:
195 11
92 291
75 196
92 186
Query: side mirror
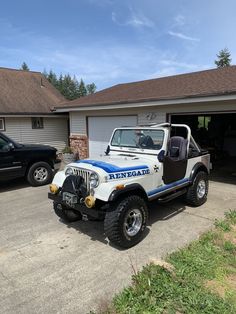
8 147
107 151
161 156
11 146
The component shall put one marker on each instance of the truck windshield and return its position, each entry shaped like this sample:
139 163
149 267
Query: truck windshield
138 138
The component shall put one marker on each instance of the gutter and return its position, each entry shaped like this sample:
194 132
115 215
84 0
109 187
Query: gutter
148 103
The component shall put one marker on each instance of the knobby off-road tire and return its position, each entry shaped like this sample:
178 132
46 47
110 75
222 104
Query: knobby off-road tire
40 173
197 192
68 215
126 221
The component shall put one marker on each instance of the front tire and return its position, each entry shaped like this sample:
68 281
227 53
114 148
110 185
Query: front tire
68 215
198 191
125 223
40 173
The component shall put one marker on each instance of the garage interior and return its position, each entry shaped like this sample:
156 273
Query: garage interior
215 132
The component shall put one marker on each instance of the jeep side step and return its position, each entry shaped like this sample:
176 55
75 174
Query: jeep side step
172 196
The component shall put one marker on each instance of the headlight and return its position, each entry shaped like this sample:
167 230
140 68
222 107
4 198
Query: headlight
69 171
94 180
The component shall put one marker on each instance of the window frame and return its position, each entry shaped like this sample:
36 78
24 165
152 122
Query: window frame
3 124
34 124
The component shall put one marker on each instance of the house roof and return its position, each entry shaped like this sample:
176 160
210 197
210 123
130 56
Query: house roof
214 82
26 92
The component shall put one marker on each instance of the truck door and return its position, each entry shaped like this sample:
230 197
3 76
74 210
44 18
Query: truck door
10 167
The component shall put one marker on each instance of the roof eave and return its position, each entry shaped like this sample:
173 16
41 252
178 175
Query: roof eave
147 103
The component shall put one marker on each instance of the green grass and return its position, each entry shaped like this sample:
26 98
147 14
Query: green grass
201 278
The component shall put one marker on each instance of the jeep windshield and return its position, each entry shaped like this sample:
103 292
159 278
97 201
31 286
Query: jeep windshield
138 138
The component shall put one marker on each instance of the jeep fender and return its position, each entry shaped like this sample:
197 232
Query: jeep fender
198 167
134 188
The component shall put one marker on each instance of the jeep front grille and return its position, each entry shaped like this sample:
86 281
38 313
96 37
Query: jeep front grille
84 174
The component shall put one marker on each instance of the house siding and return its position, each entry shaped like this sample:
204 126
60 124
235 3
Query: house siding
54 133
78 121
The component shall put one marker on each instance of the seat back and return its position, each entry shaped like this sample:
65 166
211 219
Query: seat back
177 148
146 142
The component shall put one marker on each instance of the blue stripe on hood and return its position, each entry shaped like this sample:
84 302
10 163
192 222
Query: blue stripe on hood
109 168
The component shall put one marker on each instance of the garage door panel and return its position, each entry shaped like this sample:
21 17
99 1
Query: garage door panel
101 128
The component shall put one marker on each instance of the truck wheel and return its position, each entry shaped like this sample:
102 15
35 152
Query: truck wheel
68 215
197 192
39 174
125 223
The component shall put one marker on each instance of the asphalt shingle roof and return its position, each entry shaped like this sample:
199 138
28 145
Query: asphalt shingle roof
212 82
26 92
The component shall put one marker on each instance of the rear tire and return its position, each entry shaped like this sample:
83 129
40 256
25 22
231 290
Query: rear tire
68 215
125 223
197 192
40 173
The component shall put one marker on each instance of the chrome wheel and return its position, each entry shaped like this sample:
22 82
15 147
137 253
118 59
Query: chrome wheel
133 222
201 189
40 174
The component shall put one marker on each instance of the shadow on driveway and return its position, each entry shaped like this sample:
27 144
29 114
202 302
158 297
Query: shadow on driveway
13 185
157 212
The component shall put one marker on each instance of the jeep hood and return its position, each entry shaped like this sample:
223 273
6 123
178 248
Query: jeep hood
115 163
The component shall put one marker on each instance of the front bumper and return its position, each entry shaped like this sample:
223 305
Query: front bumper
91 212
57 164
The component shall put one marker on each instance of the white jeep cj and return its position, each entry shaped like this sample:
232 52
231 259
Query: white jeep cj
140 164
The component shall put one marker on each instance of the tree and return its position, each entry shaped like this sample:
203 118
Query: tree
24 67
224 59
69 87
82 89
91 88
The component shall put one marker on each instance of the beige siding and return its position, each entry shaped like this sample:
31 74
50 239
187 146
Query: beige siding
54 133
77 123
78 119
147 115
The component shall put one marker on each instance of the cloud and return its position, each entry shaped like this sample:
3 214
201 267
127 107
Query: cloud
182 36
135 19
179 20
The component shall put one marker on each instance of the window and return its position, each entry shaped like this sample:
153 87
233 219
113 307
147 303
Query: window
37 123
3 143
2 124
138 138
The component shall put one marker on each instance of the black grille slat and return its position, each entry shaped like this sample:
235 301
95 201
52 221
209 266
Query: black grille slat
84 174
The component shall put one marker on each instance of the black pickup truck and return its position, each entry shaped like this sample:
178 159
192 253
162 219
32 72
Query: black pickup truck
35 162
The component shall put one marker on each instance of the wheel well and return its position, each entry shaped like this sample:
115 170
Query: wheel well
197 168
121 194
35 161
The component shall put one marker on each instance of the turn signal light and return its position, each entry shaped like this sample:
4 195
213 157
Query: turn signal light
89 201
53 188
120 187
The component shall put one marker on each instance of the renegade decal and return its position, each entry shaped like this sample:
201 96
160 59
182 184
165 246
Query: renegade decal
128 174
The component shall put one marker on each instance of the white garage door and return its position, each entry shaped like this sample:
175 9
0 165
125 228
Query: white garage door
100 130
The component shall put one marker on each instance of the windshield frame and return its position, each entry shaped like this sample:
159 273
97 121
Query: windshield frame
135 149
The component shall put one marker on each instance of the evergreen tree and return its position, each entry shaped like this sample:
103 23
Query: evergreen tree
82 89
224 59
52 77
69 87
24 67
91 88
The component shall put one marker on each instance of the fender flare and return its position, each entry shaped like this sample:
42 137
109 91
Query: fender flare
134 187
198 167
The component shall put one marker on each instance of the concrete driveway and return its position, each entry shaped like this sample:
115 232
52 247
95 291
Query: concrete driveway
47 266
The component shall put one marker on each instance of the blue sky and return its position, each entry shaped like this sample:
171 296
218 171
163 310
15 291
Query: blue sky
115 41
